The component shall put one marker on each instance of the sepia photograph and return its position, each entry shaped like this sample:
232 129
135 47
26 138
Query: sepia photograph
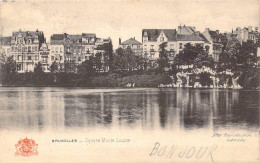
130 81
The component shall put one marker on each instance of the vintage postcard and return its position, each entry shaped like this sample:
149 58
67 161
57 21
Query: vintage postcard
129 81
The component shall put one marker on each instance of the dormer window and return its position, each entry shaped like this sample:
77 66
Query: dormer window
161 39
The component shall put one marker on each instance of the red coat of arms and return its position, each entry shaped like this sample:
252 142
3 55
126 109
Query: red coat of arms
26 147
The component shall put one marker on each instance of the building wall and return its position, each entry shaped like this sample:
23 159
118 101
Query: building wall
26 54
56 53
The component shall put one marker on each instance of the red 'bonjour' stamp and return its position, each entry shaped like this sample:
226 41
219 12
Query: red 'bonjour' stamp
26 147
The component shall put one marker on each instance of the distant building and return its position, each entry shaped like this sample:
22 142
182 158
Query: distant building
135 45
217 41
75 49
247 33
258 57
186 30
153 38
5 47
24 47
176 40
44 56
56 48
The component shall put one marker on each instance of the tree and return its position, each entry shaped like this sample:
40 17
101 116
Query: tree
108 55
124 60
248 52
188 55
97 61
86 68
54 67
38 73
163 60
8 71
141 63
203 60
204 79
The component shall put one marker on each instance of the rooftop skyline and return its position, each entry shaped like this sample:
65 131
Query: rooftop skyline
126 19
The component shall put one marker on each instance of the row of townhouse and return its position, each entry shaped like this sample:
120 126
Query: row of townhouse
28 48
212 40
246 33
24 47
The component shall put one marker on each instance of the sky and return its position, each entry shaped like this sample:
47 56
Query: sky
126 19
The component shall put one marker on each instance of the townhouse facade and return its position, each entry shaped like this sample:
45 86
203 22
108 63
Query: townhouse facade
176 40
44 54
71 50
246 33
24 47
5 47
135 45
217 40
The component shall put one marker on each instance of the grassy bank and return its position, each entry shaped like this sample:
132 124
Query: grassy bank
77 80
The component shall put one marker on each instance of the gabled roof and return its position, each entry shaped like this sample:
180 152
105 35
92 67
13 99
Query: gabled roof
186 37
189 29
57 37
92 35
131 41
5 40
154 33
75 38
27 33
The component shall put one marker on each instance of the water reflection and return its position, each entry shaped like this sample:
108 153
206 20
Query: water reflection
147 109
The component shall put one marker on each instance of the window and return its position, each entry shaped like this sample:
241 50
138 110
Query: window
79 59
19 67
180 46
172 46
60 58
56 49
86 58
145 47
151 47
19 57
36 57
162 39
29 58
145 39
29 49
60 49
44 60
52 58
138 46
52 49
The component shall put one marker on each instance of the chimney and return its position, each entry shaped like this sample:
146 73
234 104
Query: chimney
134 38
119 41
179 29
250 28
217 31
207 30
